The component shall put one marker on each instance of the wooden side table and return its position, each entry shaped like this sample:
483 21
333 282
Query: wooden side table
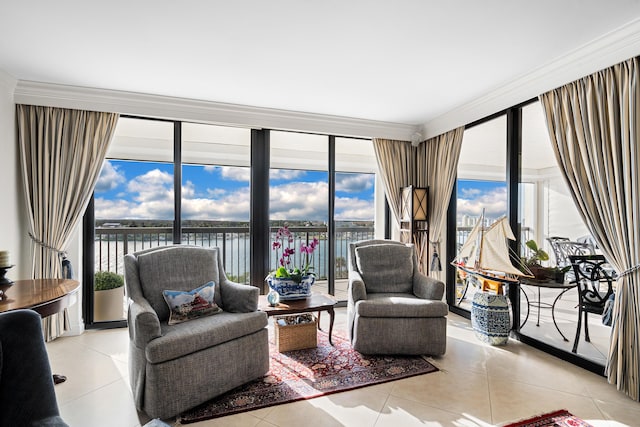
45 296
316 302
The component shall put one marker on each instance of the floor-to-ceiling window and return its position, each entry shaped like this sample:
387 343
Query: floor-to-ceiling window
216 193
549 313
355 202
133 206
507 167
168 182
481 188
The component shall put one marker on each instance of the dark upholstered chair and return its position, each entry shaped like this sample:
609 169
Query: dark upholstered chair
27 397
176 367
590 274
392 308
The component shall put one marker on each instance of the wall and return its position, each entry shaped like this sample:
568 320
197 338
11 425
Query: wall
13 237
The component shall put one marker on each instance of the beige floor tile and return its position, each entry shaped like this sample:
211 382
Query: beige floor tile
108 406
302 413
442 390
237 420
400 412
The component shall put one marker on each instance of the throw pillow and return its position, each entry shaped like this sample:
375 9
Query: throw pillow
193 304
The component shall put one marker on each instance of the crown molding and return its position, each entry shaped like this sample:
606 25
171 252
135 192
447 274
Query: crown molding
7 82
605 51
139 104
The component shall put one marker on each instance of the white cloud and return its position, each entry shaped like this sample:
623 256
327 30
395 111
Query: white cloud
468 193
493 202
354 183
349 209
285 174
110 178
299 201
241 174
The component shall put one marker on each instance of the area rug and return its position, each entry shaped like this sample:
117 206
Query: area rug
305 374
561 418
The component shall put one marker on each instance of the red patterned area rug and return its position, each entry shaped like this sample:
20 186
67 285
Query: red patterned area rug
560 418
305 374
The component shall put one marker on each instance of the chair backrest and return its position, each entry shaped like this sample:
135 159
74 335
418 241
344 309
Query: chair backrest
563 248
178 268
590 273
385 265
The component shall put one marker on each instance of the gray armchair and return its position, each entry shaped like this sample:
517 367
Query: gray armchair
392 308
177 367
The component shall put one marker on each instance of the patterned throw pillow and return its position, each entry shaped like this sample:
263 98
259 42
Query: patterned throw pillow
185 306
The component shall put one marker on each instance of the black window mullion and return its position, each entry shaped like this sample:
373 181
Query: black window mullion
259 217
177 182
332 208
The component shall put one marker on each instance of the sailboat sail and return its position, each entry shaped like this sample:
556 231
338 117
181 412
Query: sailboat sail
486 252
495 252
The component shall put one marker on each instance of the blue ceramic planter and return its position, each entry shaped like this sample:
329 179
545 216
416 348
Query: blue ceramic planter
290 290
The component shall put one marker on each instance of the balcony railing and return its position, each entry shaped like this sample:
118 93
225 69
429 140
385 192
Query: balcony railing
113 243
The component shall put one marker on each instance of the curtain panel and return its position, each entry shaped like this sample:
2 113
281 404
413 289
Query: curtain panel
594 125
396 162
437 168
61 153
434 164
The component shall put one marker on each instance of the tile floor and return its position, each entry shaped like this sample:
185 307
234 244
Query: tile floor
477 385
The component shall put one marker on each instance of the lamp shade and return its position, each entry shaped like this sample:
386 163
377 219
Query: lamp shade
414 203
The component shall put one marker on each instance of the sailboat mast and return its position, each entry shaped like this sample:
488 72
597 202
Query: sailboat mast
478 262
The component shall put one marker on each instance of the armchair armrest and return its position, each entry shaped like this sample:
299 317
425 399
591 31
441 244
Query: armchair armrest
144 324
427 287
238 298
356 290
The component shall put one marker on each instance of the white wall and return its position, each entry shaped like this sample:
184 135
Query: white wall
13 234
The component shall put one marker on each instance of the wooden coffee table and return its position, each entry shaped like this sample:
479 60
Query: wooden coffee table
316 302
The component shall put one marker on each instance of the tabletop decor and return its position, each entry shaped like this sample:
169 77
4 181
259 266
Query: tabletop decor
292 282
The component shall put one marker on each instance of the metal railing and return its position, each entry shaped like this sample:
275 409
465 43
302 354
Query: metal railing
113 243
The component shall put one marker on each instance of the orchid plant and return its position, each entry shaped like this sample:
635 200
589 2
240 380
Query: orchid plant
282 245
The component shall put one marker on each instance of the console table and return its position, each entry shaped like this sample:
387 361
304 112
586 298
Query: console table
316 302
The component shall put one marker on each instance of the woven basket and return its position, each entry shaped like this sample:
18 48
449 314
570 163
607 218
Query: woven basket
295 336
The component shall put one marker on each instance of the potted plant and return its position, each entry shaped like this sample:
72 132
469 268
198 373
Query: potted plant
108 296
533 261
291 282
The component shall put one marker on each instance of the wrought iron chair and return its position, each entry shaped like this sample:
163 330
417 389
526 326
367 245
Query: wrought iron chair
563 248
590 273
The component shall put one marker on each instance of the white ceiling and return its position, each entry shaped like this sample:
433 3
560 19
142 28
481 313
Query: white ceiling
401 61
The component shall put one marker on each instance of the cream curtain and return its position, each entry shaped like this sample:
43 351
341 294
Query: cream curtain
432 164
396 162
61 152
437 169
594 127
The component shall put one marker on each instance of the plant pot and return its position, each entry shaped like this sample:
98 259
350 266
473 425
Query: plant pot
288 289
108 305
541 273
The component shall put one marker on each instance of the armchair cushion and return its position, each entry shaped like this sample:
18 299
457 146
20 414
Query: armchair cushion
385 267
184 306
189 337
400 305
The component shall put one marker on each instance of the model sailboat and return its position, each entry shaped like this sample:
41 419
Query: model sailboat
485 255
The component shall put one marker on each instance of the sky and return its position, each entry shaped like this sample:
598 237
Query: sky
473 196
144 190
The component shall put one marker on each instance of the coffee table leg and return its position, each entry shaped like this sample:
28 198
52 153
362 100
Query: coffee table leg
331 317
319 328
